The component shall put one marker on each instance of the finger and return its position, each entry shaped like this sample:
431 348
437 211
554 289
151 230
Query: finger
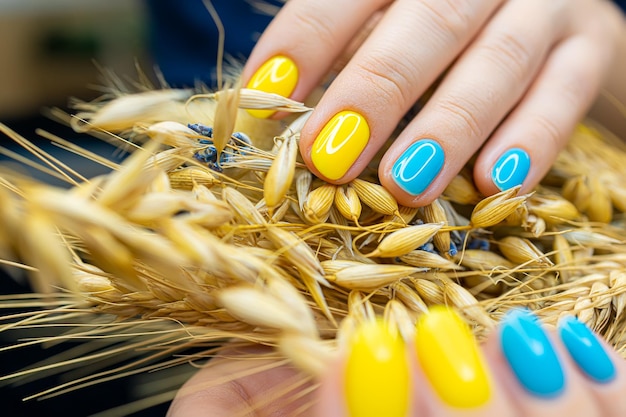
602 369
376 375
301 44
250 385
364 103
535 371
329 401
483 85
542 123
453 376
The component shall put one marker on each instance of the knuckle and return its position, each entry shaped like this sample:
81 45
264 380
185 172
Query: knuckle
317 28
462 114
577 88
455 17
511 53
552 136
390 78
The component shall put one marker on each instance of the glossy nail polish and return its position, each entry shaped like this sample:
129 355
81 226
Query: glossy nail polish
278 75
510 169
418 166
531 355
451 360
377 372
584 347
339 144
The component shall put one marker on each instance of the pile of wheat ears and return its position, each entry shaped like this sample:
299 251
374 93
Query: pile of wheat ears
166 254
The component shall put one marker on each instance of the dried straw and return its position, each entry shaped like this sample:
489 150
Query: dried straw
264 253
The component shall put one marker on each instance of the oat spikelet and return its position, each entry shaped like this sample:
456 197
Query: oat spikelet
462 191
123 112
600 208
617 280
577 191
492 210
261 100
405 215
618 195
410 298
429 291
467 304
367 277
186 178
552 208
173 134
310 355
280 175
435 213
318 203
242 206
591 239
425 259
398 317
405 240
563 256
332 266
523 251
260 309
480 260
44 250
297 252
127 184
375 196
348 203
225 117
304 178
344 235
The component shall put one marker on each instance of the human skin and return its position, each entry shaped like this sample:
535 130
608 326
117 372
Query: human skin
520 75
582 397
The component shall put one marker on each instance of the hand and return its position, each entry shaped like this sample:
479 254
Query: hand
520 75
244 383
522 369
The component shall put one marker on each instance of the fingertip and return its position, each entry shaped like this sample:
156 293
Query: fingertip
416 172
505 166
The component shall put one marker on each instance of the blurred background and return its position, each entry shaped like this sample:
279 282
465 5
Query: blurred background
48 49
48 53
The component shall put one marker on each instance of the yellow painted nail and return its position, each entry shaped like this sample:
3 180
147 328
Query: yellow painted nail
278 75
339 144
451 360
377 372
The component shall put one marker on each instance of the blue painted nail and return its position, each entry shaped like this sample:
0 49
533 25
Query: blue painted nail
531 355
586 350
418 166
511 169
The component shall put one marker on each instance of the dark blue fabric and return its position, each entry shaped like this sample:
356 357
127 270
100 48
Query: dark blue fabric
184 38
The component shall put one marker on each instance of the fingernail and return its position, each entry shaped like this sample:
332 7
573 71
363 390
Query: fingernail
531 355
510 169
584 347
339 144
418 166
278 75
377 373
450 358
